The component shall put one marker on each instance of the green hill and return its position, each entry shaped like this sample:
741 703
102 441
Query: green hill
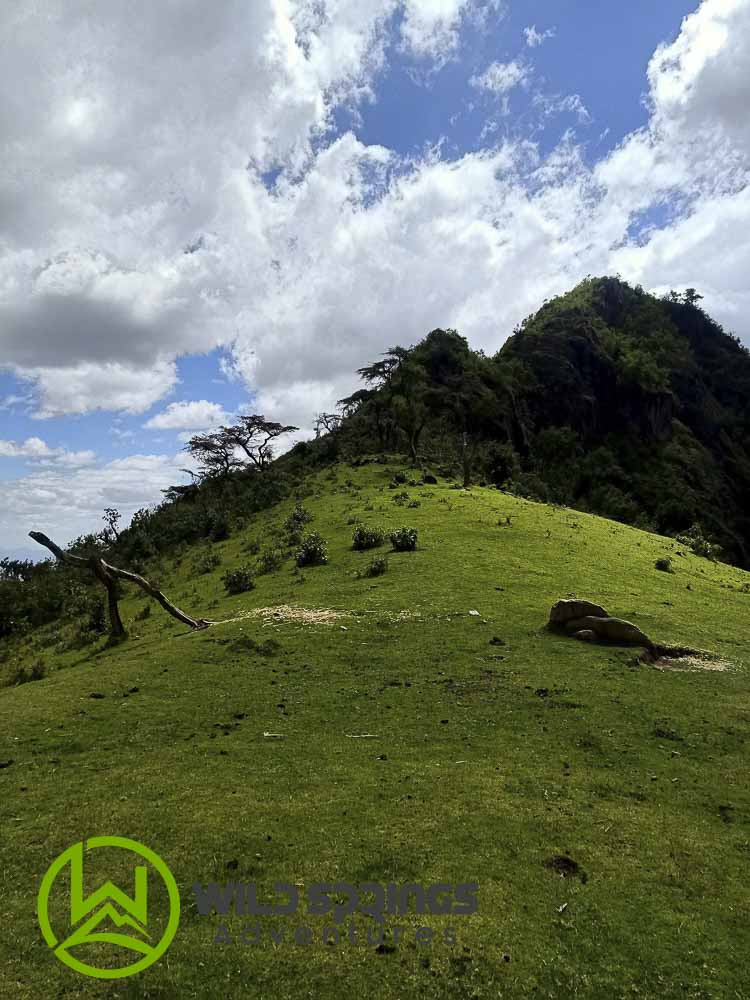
601 804
607 399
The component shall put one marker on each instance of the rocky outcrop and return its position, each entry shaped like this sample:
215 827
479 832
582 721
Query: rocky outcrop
590 622
565 611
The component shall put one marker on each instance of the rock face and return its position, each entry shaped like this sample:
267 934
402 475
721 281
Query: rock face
566 611
610 630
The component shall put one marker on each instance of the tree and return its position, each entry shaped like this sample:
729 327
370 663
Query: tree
214 453
254 435
327 423
108 576
112 518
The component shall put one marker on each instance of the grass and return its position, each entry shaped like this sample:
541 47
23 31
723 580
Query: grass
497 748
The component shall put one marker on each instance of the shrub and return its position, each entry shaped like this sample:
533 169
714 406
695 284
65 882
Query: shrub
664 564
312 551
35 672
238 581
96 621
218 526
367 538
144 613
270 560
376 567
207 562
404 539
697 542
252 547
297 519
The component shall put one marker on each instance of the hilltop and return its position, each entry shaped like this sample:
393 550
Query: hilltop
600 803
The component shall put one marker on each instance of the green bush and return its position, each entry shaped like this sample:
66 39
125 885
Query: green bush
367 538
312 551
404 539
238 581
297 519
206 562
270 560
697 542
376 567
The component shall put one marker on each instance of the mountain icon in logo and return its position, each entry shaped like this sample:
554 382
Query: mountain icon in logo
93 917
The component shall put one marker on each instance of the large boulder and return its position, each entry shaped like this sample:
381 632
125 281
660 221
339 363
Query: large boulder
614 630
566 611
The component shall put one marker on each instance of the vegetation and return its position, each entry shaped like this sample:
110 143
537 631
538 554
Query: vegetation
497 751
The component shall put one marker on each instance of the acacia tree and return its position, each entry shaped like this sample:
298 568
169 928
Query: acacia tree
254 435
214 453
108 575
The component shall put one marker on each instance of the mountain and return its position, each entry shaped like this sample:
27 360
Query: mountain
608 399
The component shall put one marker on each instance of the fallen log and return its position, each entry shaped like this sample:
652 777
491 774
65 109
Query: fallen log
108 575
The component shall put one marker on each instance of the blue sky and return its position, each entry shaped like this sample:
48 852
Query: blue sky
373 173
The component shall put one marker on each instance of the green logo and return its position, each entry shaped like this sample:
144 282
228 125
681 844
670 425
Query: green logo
89 920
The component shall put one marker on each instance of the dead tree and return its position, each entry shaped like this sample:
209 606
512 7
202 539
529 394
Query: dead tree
108 576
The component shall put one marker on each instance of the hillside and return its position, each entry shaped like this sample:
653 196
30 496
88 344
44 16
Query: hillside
600 803
608 399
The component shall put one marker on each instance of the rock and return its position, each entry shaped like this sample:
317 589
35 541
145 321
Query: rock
585 635
565 611
614 630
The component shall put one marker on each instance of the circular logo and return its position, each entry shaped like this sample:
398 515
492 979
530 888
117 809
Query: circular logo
109 918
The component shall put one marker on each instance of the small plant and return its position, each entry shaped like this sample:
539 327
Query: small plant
270 560
238 581
367 538
252 547
207 562
376 567
697 542
144 613
664 565
400 498
312 551
414 504
219 526
404 539
297 519
25 675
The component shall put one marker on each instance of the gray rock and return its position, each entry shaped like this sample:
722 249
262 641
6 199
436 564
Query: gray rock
585 635
614 630
565 611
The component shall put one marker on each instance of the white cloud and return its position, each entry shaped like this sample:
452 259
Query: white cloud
119 160
197 415
500 78
68 503
536 38
36 450
431 28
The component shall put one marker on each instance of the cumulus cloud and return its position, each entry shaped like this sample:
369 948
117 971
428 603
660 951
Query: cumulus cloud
430 28
68 503
197 415
139 222
36 450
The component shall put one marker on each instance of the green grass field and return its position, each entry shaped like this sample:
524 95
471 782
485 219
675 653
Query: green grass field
486 760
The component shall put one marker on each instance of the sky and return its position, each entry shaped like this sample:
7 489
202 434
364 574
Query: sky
208 209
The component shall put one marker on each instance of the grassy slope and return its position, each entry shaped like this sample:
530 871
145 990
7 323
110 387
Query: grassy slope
473 775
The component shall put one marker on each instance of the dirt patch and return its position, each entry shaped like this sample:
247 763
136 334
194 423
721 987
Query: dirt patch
288 613
686 660
565 867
